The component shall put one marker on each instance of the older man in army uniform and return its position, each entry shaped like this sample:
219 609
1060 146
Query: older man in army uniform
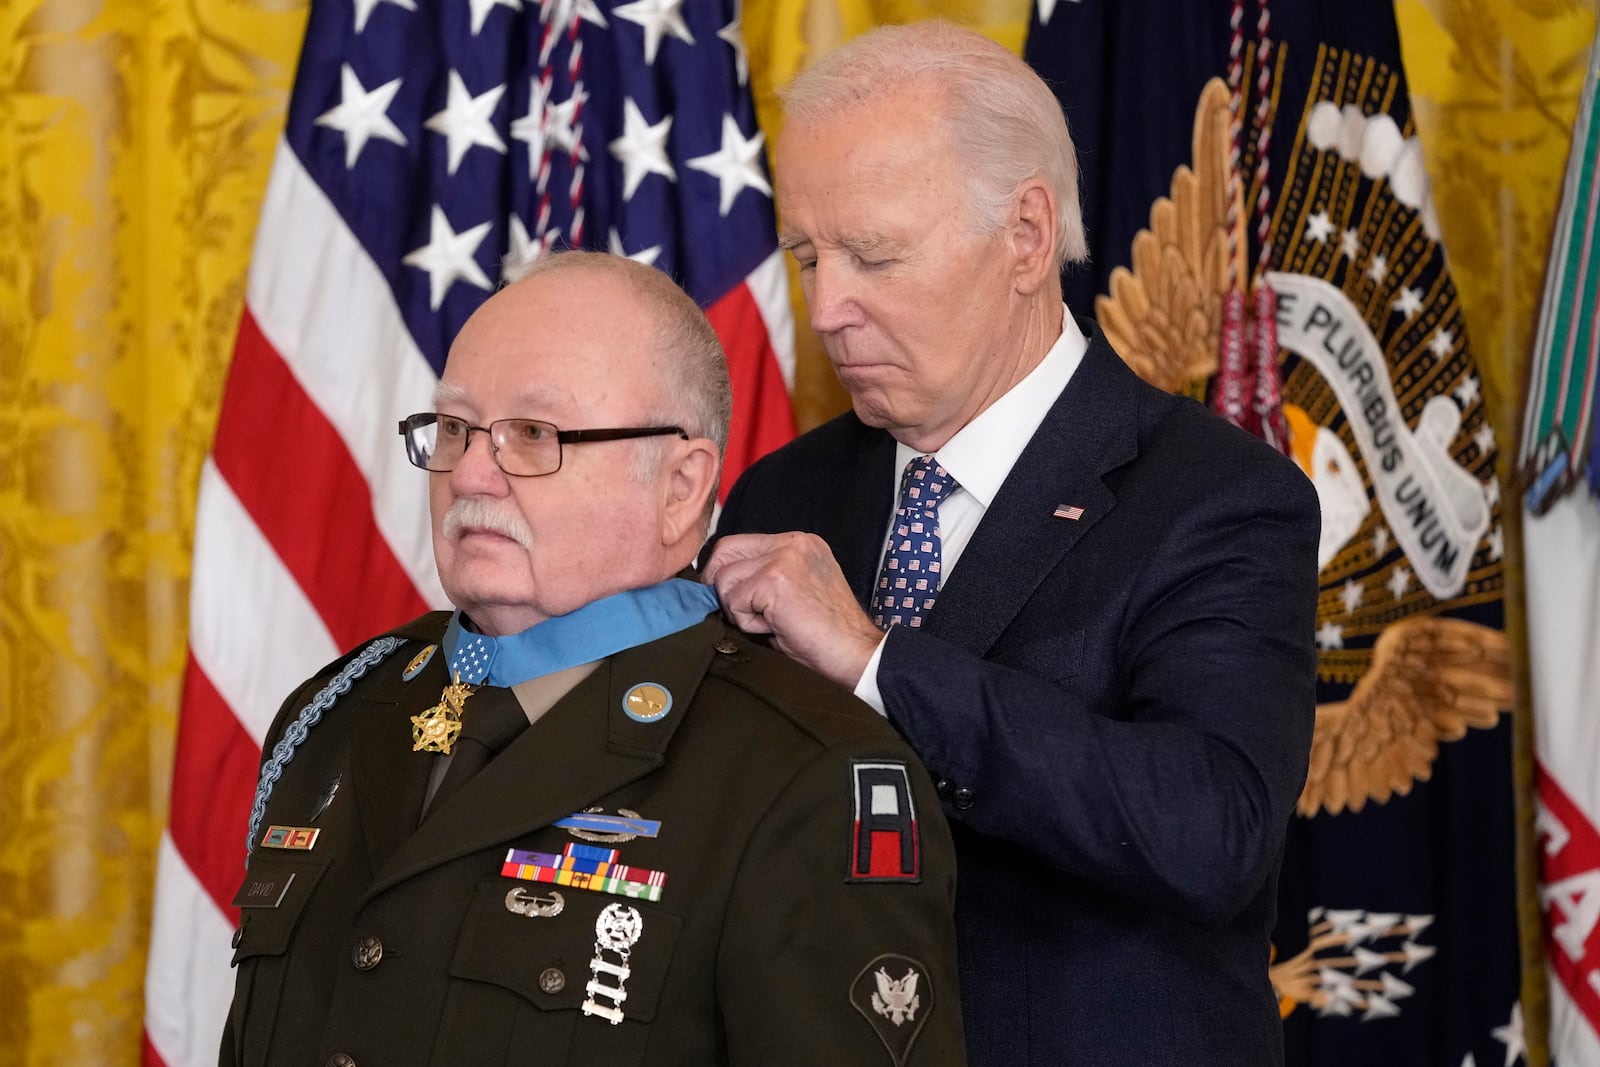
580 819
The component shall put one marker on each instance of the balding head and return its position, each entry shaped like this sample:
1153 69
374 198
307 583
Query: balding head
696 392
583 341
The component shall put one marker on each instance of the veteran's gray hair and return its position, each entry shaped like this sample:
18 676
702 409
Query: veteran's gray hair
698 395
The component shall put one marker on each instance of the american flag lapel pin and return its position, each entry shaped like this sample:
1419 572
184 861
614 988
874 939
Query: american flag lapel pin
1070 512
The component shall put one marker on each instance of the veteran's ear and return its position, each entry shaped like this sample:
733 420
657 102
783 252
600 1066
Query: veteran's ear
688 489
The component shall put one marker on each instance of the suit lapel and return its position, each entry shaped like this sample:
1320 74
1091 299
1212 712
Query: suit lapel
1089 431
584 748
858 517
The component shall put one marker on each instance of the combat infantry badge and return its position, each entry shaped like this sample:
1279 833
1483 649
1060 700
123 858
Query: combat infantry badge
436 729
593 824
894 994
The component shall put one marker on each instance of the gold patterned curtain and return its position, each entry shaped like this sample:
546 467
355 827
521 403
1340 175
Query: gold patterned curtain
135 140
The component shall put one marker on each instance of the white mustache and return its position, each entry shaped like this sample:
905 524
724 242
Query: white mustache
476 513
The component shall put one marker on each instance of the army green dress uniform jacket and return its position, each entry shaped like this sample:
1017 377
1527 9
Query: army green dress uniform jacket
398 941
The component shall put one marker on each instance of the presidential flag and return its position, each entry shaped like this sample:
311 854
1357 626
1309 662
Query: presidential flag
1559 464
1265 240
424 142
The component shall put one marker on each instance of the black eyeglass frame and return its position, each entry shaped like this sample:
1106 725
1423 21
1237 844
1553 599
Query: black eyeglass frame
412 423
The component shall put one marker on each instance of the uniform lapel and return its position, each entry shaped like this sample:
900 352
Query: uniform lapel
584 748
1089 431
389 777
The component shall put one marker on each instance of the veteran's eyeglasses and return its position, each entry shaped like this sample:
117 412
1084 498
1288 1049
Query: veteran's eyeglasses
523 448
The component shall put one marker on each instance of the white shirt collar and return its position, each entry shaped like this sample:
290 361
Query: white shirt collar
983 451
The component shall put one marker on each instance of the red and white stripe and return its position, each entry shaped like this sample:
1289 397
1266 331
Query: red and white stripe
312 535
1562 564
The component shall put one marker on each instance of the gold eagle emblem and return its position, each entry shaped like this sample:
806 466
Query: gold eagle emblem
1430 679
1164 317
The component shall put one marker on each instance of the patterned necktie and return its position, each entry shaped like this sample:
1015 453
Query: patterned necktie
908 582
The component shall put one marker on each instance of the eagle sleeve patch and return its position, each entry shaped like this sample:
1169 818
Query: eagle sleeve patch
884 844
895 996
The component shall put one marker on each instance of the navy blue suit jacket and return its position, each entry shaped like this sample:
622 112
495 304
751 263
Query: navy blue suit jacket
1118 707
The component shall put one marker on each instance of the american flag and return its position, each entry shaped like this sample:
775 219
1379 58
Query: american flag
1561 568
425 140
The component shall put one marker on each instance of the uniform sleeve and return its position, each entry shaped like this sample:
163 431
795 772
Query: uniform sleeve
234 1038
1180 797
839 942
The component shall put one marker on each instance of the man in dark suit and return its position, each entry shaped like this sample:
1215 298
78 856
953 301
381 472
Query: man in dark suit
1099 599
580 819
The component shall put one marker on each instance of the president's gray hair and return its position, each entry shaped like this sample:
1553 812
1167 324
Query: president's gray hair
1000 117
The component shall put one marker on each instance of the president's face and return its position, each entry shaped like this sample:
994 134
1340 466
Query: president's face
575 349
913 303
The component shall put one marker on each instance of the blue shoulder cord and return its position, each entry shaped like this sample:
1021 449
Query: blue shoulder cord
310 715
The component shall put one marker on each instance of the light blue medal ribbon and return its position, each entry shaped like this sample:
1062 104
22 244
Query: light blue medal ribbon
593 632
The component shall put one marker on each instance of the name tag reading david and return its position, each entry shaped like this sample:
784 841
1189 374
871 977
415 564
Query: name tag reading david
263 890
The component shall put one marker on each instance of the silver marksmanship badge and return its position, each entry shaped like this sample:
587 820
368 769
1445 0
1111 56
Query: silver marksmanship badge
894 994
616 931
522 901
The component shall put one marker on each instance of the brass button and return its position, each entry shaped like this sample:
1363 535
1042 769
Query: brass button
341 1059
365 954
726 646
552 981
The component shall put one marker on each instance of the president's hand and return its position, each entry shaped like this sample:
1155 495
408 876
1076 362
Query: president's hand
788 585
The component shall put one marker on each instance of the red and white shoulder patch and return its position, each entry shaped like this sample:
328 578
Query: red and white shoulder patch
884 843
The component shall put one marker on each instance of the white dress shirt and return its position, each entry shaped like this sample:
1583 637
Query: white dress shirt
979 457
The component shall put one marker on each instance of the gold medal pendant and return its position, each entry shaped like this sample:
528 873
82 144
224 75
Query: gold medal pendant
436 729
